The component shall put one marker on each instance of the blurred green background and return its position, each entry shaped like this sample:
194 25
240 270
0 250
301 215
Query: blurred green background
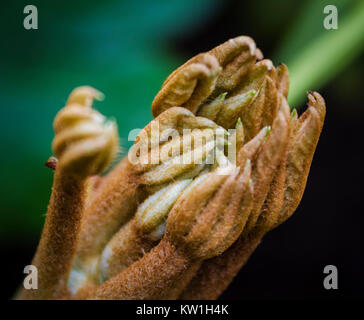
126 49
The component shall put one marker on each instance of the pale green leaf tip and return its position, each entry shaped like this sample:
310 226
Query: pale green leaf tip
222 96
268 130
294 113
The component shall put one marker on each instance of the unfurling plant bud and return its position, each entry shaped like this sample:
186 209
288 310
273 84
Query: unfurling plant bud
85 142
177 218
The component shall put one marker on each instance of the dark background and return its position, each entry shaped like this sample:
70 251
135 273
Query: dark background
126 49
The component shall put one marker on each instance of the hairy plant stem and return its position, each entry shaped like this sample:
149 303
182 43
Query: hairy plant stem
56 249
